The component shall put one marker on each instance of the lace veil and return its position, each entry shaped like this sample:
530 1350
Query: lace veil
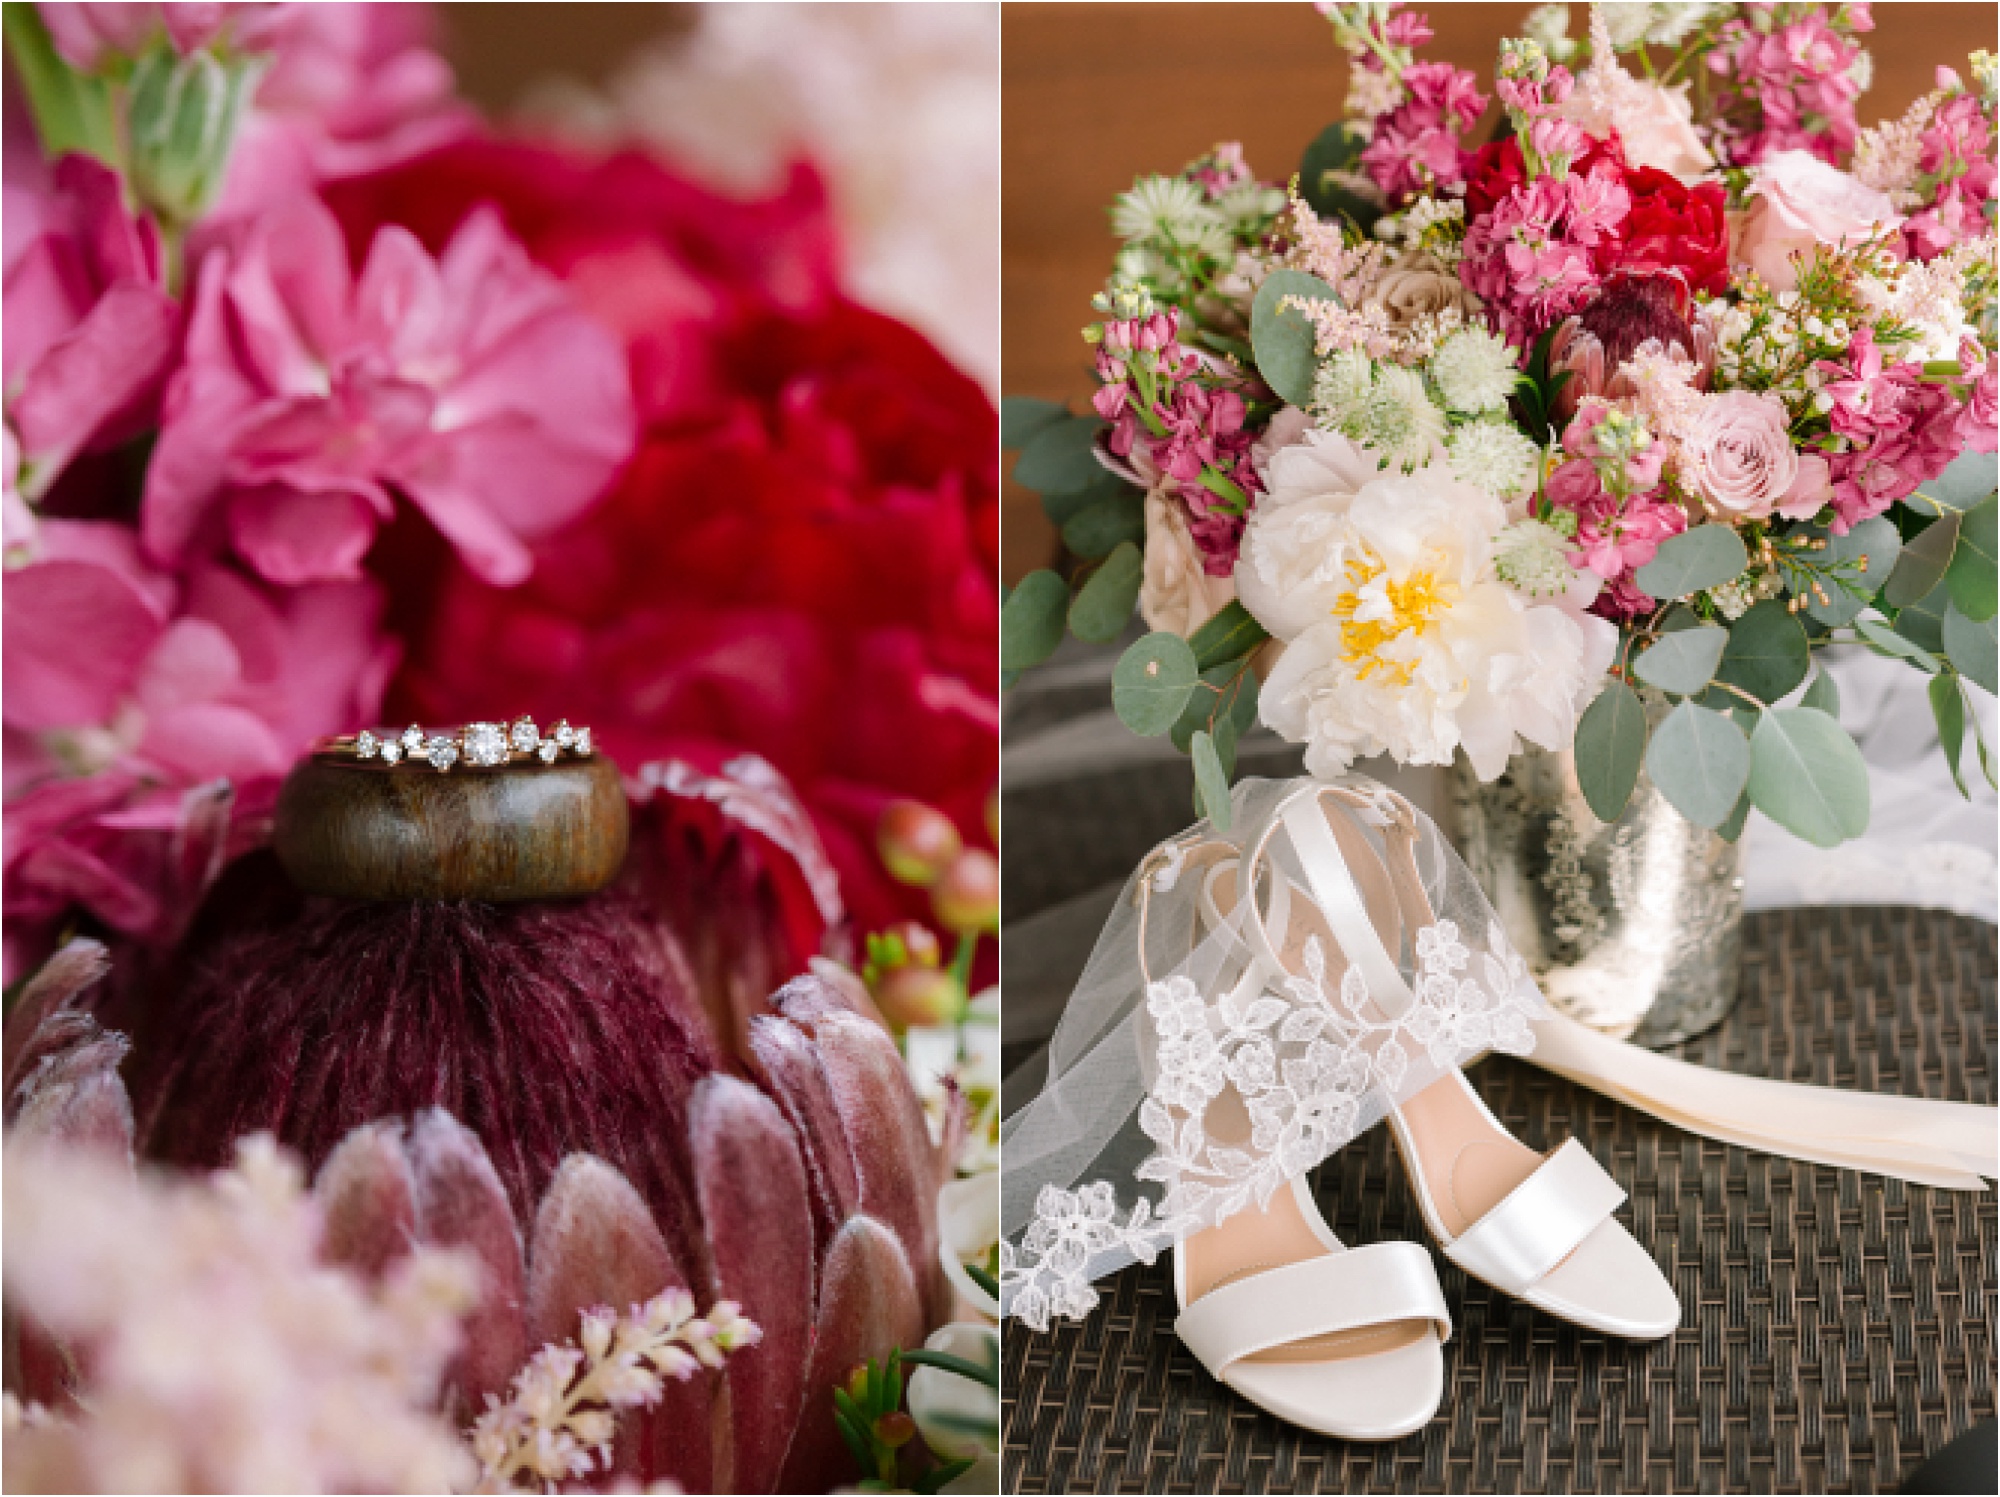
1218 1045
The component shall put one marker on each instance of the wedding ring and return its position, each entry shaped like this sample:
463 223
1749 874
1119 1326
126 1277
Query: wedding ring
483 745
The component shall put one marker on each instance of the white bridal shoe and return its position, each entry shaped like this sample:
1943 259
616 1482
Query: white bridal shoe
1539 1228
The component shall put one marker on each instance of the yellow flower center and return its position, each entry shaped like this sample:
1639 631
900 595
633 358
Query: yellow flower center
1413 602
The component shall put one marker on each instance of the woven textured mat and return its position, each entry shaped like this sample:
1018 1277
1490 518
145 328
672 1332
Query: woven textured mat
1837 1328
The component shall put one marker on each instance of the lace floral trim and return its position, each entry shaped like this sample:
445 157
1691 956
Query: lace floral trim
1301 1062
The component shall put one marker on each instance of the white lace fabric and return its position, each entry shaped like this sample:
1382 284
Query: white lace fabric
1174 1103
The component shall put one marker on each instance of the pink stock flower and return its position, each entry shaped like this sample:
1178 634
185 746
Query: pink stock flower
1530 259
471 385
1981 422
90 329
1956 150
1415 147
1796 82
1900 430
86 35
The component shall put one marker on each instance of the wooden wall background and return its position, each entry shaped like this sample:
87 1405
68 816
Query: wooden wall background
1096 94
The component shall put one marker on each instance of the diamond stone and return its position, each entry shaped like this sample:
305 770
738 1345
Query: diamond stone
525 735
563 733
547 752
413 739
442 752
485 744
582 743
392 751
365 744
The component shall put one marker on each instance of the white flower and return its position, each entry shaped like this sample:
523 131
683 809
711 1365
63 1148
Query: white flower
1164 208
1399 420
1340 389
1494 456
1533 557
1475 371
1400 636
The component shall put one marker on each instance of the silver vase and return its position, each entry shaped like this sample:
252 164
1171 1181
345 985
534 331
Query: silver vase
1634 928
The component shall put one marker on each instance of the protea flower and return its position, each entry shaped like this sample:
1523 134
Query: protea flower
1630 314
545 1086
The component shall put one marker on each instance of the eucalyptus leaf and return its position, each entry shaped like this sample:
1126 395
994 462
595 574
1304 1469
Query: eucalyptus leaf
1103 604
1700 761
1876 545
1097 530
1922 565
1823 695
1152 682
1807 775
1230 634
1884 640
1972 646
1610 749
1062 508
1211 782
1337 148
1693 561
1767 655
1031 620
1219 698
1732 828
1948 710
1061 458
1021 416
1284 340
1971 575
1970 480
1683 662
1922 622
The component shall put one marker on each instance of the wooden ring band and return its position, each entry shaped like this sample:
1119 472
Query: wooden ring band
530 831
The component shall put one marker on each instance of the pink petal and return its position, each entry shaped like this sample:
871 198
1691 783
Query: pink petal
194 662
76 968
455 503
292 537
48 293
95 381
595 1243
868 1305
210 740
207 399
77 1099
396 300
789 1071
290 290
368 1197
753 1199
74 638
461 1204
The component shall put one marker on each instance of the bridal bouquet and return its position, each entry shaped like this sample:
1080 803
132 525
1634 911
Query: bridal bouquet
1591 433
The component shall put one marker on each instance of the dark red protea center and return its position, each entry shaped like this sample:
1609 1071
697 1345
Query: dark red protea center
1633 309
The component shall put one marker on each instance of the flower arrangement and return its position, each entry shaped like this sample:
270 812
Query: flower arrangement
1588 434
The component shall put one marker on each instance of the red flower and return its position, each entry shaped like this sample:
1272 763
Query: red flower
1671 228
798 562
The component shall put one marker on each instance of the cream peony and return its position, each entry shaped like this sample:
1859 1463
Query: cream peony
1399 636
1801 202
1174 592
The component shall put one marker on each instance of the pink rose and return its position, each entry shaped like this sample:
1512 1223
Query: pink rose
1738 455
1803 202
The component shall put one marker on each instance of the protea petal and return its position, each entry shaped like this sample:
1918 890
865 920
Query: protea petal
368 1199
595 1243
894 1157
791 1073
868 1304
461 1203
77 1098
67 975
753 1198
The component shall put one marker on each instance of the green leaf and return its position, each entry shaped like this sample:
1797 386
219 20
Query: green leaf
1972 646
1031 620
1732 828
1767 655
1229 635
1948 708
1683 662
1922 565
1874 543
1610 748
1883 640
1807 775
1979 740
1102 605
1097 530
1922 622
1693 561
1701 761
1152 682
1211 782
1971 575
1021 416
1823 695
1336 148
1971 479
1228 693
72 111
1284 340
1061 458
1062 508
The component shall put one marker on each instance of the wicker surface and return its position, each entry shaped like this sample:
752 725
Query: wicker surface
1837 1328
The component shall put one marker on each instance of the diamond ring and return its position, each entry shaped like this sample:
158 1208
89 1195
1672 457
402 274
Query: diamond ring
482 745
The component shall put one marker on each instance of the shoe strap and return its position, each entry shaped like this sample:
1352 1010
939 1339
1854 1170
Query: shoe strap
1541 1222
1379 1284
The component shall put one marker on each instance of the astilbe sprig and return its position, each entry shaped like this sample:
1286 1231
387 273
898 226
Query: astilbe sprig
561 1411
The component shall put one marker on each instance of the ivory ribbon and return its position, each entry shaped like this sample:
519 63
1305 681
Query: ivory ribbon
1950 1145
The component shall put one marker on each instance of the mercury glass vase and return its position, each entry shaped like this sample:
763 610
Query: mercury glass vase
1634 928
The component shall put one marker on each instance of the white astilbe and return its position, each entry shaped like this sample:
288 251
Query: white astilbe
1494 456
1475 371
221 1354
1888 156
561 1412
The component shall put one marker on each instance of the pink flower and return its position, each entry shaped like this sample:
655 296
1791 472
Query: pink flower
1900 430
1981 423
1613 538
86 35
1738 455
471 385
1795 83
1802 203
1957 153
1415 146
90 331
